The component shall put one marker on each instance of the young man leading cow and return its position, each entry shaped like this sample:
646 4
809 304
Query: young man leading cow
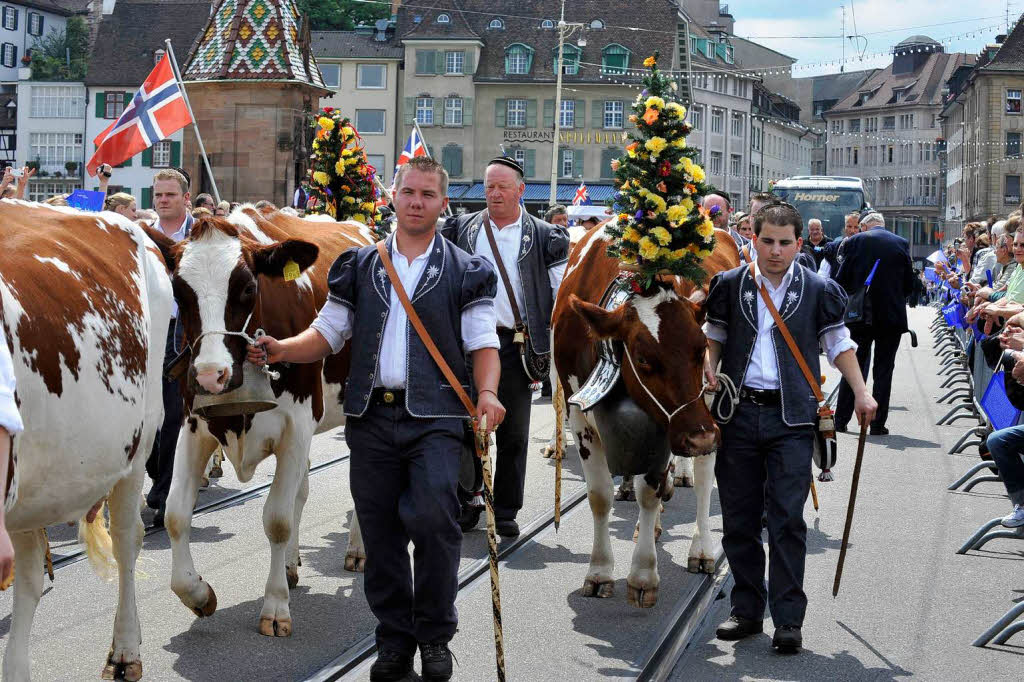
405 422
765 454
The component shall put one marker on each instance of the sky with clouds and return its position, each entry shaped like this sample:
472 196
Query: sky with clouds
787 26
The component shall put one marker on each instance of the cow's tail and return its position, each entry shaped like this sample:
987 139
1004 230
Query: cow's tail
98 546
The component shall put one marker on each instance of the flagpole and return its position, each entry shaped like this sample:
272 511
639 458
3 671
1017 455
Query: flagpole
416 125
195 126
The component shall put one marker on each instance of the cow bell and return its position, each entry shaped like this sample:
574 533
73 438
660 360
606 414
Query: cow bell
253 395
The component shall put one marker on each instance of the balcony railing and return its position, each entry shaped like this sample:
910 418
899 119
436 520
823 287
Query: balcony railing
1011 199
51 170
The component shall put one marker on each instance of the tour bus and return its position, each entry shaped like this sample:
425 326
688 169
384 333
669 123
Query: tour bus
827 198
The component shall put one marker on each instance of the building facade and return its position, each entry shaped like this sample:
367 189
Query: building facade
22 24
50 134
480 80
780 145
983 125
119 64
887 133
362 68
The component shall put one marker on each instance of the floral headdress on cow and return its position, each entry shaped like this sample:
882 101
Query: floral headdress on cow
661 228
342 181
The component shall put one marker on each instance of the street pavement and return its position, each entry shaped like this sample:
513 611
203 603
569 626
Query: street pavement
909 606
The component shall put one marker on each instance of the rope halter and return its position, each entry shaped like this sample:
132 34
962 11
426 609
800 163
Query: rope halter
251 340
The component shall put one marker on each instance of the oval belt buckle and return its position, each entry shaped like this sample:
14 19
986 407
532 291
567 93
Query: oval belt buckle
389 397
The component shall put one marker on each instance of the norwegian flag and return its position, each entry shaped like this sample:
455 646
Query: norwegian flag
156 112
413 147
581 198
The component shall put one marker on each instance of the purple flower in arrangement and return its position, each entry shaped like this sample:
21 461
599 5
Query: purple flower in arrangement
639 215
644 93
715 210
328 190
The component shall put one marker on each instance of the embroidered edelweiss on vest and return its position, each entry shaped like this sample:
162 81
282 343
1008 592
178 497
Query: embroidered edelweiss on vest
382 274
792 297
432 272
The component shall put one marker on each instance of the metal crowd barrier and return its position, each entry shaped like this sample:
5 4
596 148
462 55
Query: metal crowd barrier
978 392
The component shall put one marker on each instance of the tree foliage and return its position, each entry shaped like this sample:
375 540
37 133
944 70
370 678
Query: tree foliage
49 58
341 15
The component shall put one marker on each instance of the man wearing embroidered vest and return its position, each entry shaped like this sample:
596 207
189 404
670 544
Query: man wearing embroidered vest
764 462
534 254
405 421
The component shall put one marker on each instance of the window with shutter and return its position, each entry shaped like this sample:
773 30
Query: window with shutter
549 113
424 62
499 113
518 59
614 59
531 163
577 164
467 111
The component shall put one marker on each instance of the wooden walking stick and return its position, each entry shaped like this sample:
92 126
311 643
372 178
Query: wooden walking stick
559 449
849 509
814 493
483 442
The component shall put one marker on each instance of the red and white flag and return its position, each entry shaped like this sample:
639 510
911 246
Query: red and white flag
413 147
156 112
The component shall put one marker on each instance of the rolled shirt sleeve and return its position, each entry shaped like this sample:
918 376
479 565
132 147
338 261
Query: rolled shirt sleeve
835 341
715 332
10 418
334 324
479 327
555 275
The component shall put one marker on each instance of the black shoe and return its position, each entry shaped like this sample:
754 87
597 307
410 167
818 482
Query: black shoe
738 627
841 428
787 639
507 528
435 662
390 666
158 518
469 517
878 431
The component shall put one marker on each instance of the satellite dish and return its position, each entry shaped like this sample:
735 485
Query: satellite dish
381 24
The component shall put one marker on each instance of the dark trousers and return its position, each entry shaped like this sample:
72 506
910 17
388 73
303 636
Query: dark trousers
886 343
764 465
1006 446
404 472
513 436
160 465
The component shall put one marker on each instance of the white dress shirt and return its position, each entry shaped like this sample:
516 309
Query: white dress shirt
177 236
763 370
334 323
10 419
508 239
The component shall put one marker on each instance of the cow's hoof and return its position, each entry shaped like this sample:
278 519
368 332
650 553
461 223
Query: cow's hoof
205 483
625 494
292 574
682 482
354 563
657 533
207 609
641 597
216 471
707 565
547 452
693 564
120 670
600 589
281 627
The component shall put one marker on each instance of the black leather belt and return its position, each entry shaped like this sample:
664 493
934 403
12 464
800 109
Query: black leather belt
759 396
390 397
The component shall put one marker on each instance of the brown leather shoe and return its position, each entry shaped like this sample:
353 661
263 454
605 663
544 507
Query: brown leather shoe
738 627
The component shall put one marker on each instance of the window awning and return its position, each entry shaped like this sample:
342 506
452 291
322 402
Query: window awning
541 192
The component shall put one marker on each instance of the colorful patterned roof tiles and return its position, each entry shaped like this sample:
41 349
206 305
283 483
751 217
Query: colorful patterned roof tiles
253 40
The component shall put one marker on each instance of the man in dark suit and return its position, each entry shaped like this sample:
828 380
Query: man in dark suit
892 283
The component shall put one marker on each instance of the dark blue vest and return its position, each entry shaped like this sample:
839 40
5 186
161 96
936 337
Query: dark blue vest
544 246
452 282
813 305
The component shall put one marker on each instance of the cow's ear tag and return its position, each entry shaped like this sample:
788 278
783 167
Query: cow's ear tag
291 271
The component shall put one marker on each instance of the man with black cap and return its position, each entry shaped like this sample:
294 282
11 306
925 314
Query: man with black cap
533 254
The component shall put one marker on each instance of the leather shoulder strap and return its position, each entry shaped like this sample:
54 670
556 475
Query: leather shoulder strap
784 330
502 270
421 331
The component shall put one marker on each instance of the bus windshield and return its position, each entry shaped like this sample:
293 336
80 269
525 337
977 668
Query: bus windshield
830 206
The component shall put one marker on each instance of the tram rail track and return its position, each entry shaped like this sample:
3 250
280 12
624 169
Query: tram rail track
210 507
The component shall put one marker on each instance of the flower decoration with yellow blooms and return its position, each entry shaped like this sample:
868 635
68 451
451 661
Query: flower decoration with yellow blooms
659 183
342 182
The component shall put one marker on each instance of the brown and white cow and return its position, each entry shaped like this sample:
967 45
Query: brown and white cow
226 271
84 304
662 375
